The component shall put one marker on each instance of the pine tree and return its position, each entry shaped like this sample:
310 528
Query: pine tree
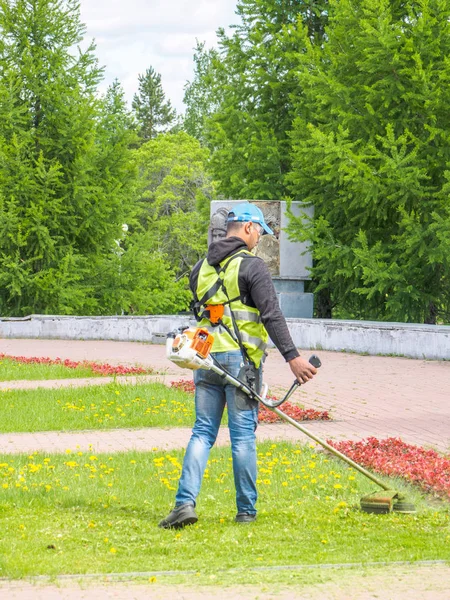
199 93
249 86
153 112
372 153
63 197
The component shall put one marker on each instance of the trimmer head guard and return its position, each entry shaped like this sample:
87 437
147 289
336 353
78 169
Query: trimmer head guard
385 502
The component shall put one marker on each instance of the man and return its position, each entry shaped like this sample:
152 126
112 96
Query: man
235 299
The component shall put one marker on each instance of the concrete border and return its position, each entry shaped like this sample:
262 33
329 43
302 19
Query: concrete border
373 337
363 337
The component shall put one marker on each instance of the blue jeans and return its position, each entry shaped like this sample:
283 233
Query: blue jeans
211 395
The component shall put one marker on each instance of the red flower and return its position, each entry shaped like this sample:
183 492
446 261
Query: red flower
100 369
426 468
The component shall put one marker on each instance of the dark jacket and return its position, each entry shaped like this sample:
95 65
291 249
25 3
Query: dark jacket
256 287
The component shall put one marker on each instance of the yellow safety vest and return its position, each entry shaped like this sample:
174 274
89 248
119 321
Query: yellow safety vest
222 283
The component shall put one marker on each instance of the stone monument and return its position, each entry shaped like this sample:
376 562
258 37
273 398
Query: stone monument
288 261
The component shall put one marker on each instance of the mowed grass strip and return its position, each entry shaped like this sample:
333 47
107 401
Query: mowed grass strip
13 370
35 368
95 407
87 513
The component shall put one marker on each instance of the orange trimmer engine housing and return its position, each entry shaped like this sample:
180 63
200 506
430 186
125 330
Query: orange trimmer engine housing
202 341
190 348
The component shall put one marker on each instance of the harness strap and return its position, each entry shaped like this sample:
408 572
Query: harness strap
197 304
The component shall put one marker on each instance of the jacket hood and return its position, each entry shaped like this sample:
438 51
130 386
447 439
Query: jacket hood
219 250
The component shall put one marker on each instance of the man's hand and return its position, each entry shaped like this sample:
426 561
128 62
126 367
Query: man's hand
302 369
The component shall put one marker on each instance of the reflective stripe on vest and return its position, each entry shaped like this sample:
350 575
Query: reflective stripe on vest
258 342
253 333
242 315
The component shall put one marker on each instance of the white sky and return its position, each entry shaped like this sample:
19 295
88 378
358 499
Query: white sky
132 35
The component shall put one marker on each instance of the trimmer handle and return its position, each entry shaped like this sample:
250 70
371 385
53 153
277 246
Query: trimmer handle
315 361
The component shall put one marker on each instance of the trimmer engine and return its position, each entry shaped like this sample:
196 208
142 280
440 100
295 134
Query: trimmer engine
189 348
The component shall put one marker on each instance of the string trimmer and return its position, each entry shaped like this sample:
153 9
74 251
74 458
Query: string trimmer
190 348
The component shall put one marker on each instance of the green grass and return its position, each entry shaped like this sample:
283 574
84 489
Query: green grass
81 513
11 370
96 407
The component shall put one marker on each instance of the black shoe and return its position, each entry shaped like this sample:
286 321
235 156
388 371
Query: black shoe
245 518
180 517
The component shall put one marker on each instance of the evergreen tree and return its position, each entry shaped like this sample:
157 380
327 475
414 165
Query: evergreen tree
250 85
371 152
153 112
137 275
146 272
63 195
199 93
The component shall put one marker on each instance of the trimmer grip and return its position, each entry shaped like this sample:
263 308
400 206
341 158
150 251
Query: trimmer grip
315 361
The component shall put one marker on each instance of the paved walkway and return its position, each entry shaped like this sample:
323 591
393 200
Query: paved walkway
408 582
365 395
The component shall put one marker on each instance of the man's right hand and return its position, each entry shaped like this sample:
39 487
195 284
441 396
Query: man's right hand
302 369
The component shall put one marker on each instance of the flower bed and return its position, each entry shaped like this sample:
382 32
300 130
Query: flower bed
426 468
104 369
265 414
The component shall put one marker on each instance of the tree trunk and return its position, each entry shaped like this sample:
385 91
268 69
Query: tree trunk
431 317
323 303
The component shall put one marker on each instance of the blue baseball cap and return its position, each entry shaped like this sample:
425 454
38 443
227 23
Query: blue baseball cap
246 212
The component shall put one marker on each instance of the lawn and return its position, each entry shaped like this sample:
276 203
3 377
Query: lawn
96 407
11 370
83 513
34 368
110 406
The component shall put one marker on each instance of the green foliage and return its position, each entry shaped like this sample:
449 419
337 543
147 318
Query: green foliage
175 194
137 278
371 151
146 270
242 96
153 112
199 93
64 167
